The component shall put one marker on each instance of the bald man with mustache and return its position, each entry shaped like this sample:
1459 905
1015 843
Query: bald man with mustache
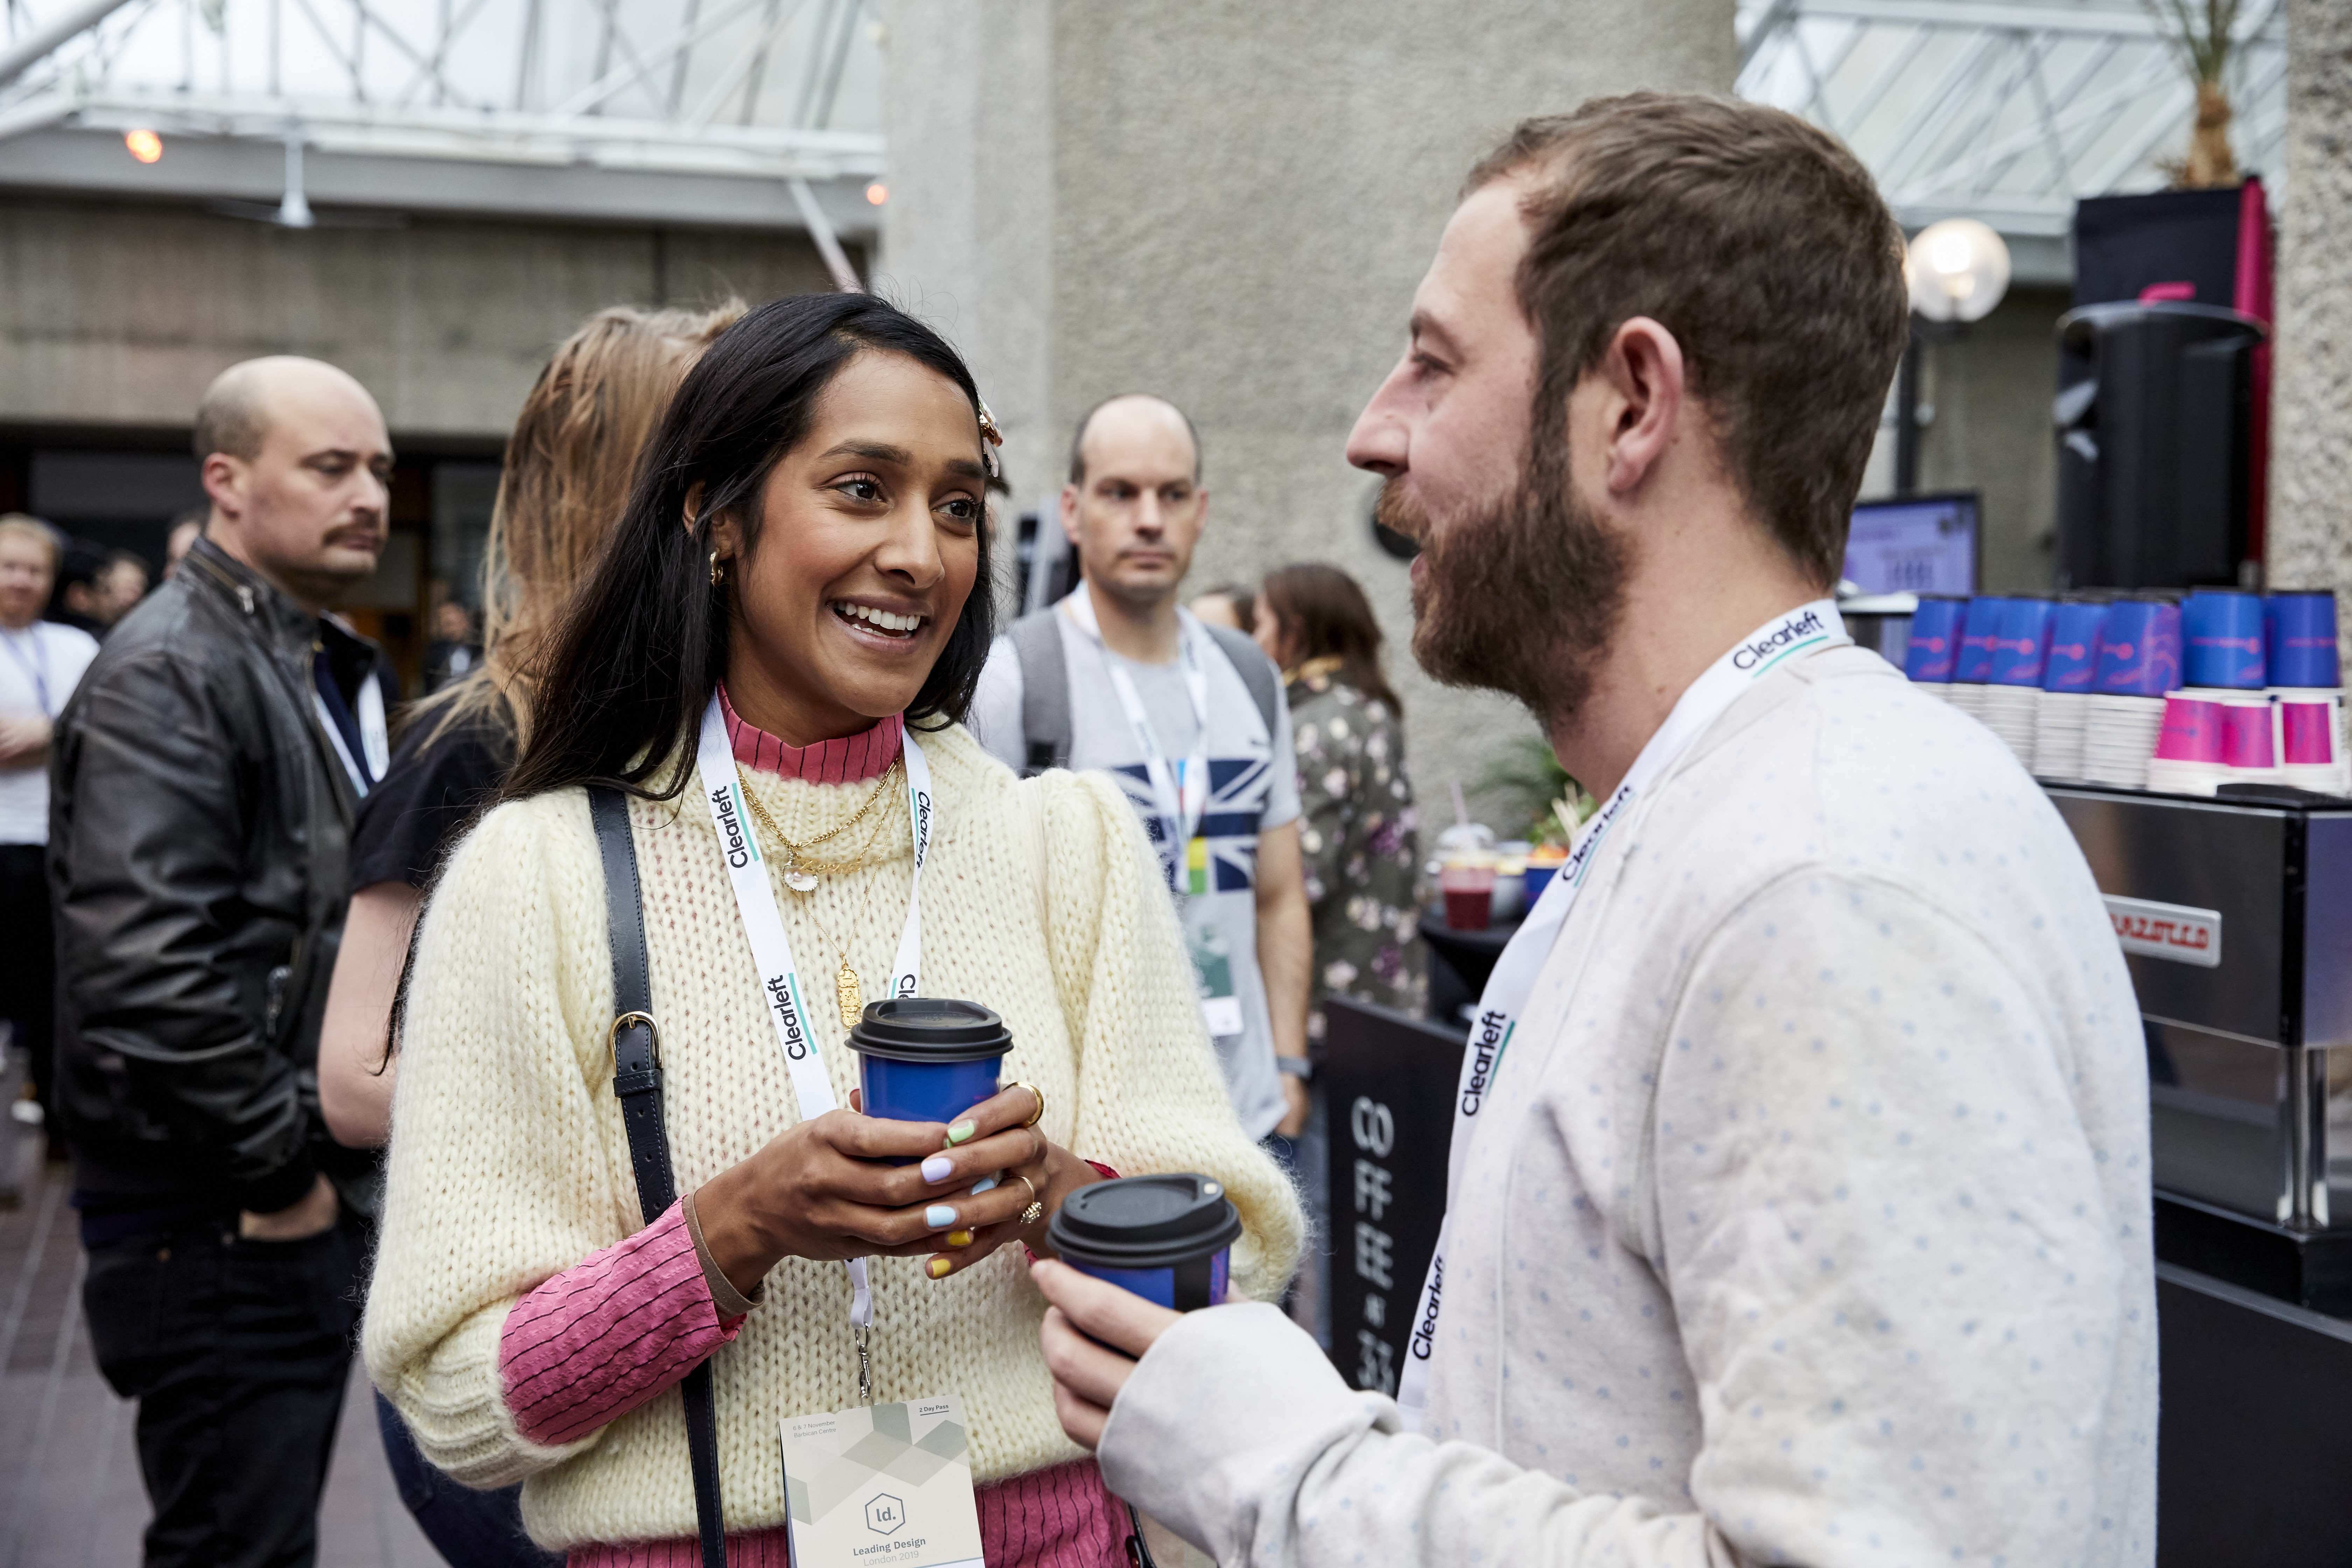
204 780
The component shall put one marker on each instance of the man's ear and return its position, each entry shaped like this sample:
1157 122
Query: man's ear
1643 373
224 481
1069 512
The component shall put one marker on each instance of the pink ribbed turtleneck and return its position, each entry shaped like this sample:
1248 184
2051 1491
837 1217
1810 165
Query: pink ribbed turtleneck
853 759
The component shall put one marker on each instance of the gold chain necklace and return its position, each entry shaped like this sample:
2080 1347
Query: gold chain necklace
848 991
799 871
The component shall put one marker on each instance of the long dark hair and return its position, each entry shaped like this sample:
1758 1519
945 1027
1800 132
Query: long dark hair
1322 614
644 641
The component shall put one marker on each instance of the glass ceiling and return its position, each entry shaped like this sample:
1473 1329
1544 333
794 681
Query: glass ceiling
2006 113
2003 111
756 89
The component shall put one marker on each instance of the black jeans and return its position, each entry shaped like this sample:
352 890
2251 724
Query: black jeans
29 978
470 1529
237 1352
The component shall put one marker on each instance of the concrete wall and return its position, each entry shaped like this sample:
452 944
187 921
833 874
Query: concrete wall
119 314
2311 451
1230 203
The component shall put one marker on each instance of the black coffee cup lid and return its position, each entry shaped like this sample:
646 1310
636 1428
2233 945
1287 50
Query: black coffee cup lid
929 1029
1145 1222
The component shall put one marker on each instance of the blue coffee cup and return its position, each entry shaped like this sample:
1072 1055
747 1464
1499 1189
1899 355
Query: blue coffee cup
2140 650
2223 633
927 1059
1979 630
2299 639
1934 649
2074 647
1167 1238
2020 643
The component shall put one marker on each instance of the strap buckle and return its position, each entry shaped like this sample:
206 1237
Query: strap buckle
628 1021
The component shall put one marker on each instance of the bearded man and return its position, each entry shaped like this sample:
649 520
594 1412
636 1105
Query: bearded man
1798 1203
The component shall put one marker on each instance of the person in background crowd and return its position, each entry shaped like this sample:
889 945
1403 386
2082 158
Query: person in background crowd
1119 676
95 586
1798 1206
186 529
120 584
1356 835
203 787
40 664
569 465
787 604
1229 605
456 649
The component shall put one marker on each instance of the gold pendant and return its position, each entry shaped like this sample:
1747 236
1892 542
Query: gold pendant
850 995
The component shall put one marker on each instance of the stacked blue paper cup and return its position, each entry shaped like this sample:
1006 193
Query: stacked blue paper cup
2138 662
2305 680
2223 632
1972 670
2013 684
1932 651
2063 707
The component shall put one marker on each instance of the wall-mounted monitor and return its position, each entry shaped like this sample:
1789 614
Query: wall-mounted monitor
1916 544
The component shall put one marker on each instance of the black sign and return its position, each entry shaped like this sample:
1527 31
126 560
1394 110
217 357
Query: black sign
1389 1080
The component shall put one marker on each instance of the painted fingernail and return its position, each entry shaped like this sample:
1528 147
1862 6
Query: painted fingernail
937 1168
961 1131
983 1184
958 1239
939 1216
939 1266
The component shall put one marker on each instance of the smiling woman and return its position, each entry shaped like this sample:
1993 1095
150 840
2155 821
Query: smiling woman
791 616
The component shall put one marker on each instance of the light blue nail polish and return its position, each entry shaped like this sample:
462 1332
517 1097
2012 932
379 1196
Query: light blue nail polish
937 1168
939 1216
981 1185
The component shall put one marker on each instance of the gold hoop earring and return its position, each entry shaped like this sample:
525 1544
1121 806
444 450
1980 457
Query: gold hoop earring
718 569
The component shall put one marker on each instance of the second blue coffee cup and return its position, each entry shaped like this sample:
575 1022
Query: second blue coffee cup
927 1059
1166 1239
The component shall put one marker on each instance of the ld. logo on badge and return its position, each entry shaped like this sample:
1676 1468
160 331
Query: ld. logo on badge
882 1484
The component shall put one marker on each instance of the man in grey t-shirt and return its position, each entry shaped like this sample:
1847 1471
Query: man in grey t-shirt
1161 705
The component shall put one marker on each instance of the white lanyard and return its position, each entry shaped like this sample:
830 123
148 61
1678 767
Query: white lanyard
37 667
1806 629
1182 797
376 739
771 950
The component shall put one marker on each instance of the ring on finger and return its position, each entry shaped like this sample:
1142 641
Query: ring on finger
1038 1114
1036 1209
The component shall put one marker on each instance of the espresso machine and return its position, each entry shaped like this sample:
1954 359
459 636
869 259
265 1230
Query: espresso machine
2235 917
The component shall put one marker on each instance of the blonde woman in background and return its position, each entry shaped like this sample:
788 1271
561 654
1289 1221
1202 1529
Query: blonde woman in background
569 465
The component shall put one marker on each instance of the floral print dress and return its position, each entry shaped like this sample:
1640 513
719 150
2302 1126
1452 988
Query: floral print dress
1362 847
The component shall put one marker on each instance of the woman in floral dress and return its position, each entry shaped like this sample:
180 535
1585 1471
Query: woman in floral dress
1357 834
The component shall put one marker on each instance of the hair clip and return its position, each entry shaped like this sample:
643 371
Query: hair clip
995 438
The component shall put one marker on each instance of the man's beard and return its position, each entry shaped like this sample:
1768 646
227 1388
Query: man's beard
1520 597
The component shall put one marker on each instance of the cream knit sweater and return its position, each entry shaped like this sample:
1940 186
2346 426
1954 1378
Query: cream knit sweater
509 1164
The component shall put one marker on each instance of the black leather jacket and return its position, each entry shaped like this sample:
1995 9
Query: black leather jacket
199 822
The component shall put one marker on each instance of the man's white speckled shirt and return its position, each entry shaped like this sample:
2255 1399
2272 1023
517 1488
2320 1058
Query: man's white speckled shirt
1809 1222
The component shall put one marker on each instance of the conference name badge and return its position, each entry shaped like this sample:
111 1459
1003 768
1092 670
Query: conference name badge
882 1484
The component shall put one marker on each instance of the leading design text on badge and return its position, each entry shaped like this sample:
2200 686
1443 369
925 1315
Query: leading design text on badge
882 1483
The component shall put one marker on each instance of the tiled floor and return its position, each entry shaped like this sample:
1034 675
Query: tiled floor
69 1492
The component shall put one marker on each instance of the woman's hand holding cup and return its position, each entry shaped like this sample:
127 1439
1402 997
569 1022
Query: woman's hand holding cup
991 1139
848 1186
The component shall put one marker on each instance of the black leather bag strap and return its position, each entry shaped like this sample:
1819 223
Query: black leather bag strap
636 1080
